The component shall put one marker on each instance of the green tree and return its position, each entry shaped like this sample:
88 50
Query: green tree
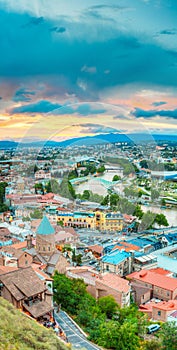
105 200
116 178
154 194
35 168
144 164
71 190
48 187
138 212
60 223
92 169
101 169
36 214
161 220
73 174
55 187
163 202
108 305
114 199
169 336
65 189
86 195
147 221
39 188
25 218
152 344
3 206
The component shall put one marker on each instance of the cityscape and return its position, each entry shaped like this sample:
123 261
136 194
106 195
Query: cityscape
88 175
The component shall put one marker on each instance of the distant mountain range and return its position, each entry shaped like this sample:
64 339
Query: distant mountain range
92 140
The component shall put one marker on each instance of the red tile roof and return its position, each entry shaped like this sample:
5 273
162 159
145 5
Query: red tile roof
20 245
6 269
147 276
166 305
161 271
115 282
126 246
96 248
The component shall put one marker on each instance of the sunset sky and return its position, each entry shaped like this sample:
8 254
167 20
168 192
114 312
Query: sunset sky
71 68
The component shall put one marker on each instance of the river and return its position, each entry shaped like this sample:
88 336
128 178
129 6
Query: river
171 214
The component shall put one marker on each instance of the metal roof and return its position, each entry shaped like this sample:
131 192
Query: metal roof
45 227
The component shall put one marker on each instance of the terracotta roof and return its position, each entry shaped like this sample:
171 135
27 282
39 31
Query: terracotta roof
38 309
115 282
20 245
96 248
166 305
4 231
41 273
48 196
23 283
161 271
6 269
129 245
147 276
14 252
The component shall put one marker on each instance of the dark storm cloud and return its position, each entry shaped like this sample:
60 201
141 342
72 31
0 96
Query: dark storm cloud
33 53
160 103
59 30
34 21
45 106
172 113
168 32
39 107
23 95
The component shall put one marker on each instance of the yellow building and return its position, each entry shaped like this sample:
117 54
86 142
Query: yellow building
93 220
77 219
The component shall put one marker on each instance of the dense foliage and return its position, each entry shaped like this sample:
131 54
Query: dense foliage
106 323
17 332
3 206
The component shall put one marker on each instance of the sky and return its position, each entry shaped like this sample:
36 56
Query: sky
79 68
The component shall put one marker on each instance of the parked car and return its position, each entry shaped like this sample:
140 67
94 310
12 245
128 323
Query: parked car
153 328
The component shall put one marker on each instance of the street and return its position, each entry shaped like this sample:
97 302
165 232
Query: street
73 333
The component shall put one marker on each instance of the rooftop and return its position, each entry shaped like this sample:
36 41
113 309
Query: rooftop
155 279
115 282
23 283
115 257
45 227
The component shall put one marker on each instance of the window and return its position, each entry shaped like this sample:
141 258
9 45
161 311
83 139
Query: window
159 313
107 267
49 248
26 262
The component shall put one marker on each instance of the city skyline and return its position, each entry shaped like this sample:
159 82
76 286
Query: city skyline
86 68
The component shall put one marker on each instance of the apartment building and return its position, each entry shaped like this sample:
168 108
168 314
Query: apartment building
93 220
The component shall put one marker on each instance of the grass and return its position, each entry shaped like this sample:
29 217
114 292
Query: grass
18 332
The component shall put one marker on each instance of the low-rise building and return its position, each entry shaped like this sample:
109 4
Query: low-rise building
24 289
162 287
100 285
93 220
118 262
162 311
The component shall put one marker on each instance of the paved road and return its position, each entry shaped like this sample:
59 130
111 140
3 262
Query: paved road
73 333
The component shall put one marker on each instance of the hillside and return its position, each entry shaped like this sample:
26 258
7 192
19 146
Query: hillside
17 332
